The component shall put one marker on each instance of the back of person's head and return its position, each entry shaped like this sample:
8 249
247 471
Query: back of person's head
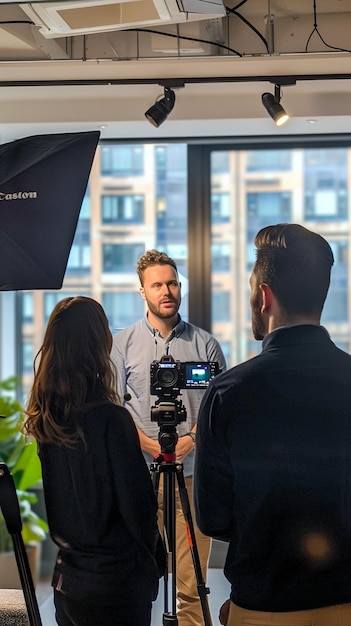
74 370
296 263
153 257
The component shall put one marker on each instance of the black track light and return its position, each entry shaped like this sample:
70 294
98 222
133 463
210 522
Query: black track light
159 111
273 107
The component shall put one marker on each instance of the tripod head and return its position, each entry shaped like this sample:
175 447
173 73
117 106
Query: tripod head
168 412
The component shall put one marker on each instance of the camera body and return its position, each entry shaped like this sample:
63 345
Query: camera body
168 377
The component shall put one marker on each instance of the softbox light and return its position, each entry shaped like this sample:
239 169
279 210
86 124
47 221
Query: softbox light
43 180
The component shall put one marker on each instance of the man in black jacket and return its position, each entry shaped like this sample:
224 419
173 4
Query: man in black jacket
273 459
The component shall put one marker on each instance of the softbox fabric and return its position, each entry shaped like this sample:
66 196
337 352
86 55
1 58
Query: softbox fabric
43 180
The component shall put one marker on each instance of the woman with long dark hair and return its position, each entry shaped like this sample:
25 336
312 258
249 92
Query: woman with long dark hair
100 502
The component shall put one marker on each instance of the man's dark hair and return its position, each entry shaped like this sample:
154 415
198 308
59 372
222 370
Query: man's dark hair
296 264
153 257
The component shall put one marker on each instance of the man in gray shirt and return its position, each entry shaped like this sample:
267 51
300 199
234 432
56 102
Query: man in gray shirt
162 332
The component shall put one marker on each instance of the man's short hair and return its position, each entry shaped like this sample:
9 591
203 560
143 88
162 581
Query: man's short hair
153 257
296 263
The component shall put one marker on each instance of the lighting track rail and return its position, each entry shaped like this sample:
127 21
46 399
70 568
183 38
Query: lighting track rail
174 83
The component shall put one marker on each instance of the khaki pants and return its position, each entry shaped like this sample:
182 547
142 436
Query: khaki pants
189 612
338 615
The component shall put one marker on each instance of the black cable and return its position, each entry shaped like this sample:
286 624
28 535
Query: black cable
17 22
257 32
157 32
239 5
315 30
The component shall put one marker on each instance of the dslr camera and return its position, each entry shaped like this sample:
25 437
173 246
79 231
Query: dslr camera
168 377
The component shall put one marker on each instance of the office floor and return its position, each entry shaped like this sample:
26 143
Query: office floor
218 585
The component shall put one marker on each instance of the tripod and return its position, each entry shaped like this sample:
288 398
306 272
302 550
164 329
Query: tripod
166 464
11 512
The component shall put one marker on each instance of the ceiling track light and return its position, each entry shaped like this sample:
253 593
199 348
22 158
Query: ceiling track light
273 107
159 111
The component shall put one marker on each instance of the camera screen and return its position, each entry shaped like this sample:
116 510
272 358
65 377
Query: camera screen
197 374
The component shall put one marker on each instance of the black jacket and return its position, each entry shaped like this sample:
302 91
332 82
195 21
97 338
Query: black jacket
101 502
273 472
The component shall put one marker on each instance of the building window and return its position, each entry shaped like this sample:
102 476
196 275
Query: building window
269 160
336 304
122 160
171 194
220 207
27 308
27 357
122 257
161 158
325 184
221 253
220 162
79 261
122 309
264 208
122 209
220 306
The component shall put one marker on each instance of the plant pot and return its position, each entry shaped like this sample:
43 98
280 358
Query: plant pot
9 576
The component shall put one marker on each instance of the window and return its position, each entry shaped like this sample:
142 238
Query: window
27 357
220 207
27 308
121 257
221 253
269 160
310 187
121 160
264 205
336 304
171 195
123 309
122 209
265 208
307 185
220 162
79 260
325 182
221 306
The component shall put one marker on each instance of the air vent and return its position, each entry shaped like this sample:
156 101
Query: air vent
81 17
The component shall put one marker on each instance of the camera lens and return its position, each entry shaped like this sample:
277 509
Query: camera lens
167 377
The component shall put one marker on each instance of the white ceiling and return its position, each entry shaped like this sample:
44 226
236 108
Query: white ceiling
29 63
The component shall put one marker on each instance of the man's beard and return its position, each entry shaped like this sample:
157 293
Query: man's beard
258 327
156 309
257 320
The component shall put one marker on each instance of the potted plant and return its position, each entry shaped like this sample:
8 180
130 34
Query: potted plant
20 456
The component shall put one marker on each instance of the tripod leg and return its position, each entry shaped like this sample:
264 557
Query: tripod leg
202 589
169 532
169 520
26 580
11 512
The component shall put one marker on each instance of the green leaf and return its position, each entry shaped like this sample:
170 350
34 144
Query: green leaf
21 458
27 472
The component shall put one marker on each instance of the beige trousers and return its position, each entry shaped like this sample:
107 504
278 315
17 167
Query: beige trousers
189 611
338 615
